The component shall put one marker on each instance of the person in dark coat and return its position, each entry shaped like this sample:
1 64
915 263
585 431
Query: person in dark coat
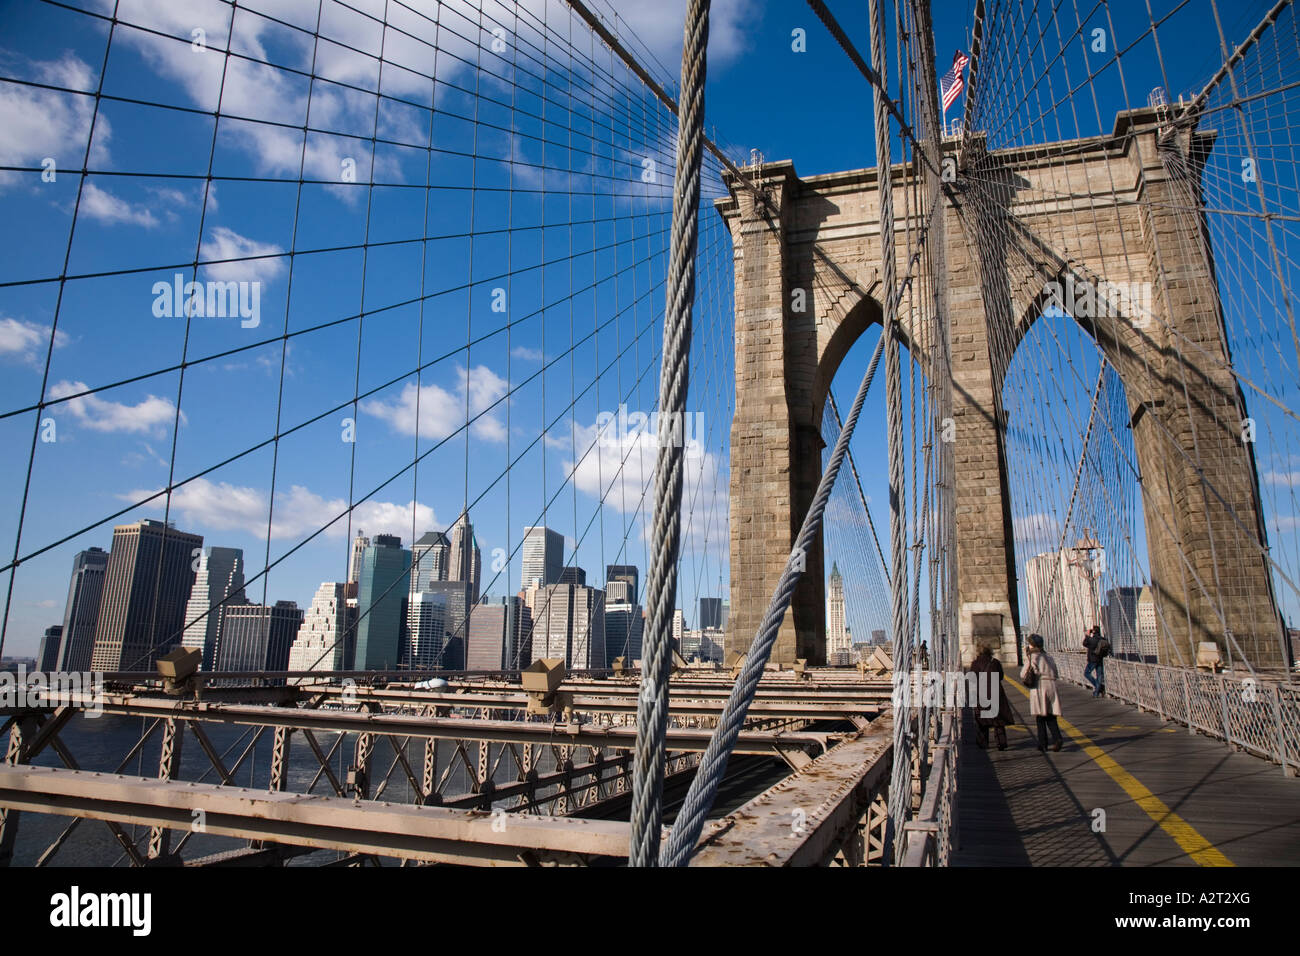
1095 672
986 663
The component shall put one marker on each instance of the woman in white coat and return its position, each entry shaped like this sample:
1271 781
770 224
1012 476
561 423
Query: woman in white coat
1044 703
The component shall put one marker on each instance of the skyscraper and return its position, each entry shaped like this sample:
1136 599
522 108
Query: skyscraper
574 575
429 560
359 545
543 555
1063 600
464 561
838 648
382 595
82 611
619 592
218 583
327 637
257 637
710 613
623 630
431 631
47 656
497 636
426 625
1148 636
624 572
569 623
146 587
1120 621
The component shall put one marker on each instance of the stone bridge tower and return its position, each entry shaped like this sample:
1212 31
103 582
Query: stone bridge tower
1117 209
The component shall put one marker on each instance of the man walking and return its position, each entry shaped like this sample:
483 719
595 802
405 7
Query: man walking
1098 649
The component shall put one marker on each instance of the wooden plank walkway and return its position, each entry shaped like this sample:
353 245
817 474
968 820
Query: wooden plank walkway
1170 798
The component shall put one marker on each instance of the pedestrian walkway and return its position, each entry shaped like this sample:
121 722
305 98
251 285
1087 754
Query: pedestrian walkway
1126 789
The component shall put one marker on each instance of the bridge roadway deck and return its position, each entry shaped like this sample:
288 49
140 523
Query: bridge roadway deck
1170 798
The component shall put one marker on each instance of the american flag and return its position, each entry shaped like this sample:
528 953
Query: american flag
951 84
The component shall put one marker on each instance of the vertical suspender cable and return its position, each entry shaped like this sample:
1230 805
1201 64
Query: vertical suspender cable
661 582
900 789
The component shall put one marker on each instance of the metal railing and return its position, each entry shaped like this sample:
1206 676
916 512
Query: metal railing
929 836
1258 715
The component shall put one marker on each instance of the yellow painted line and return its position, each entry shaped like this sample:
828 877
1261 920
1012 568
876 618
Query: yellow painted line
1183 833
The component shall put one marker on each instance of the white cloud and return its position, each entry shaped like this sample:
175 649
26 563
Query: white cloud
442 412
659 26
1039 527
620 469
525 353
223 243
222 506
105 207
154 415
1287 479
40 123
247 87
27 341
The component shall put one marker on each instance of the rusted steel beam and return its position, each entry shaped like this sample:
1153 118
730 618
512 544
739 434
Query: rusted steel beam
429 834
454 728
804 819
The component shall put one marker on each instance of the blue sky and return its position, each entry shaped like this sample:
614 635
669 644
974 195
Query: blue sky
515 372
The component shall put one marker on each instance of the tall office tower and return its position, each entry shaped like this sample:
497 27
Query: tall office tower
464 560
82 611
878 637
1063 600
218 584
359 545
1119 620
574 575
327 637
689 647
679 628
710 613
454 595
587 645
47 656
624 572
543 555
838 650
496 639
623 630
726 615
429 560
569 624
705 644
146 588
426 628
619 592
1148 635
382 595
257 637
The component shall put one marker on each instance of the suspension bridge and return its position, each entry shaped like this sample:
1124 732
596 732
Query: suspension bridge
485 279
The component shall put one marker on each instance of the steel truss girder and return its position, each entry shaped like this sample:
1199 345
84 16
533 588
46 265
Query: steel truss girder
423 834
765 743
807 818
